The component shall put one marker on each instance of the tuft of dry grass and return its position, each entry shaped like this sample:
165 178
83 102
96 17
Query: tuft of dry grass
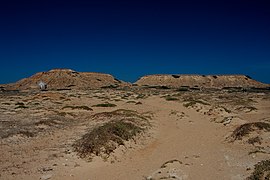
21 107
192 102
105 139
118 126
78 107
104 105
245 129
261 171
170 98
128 115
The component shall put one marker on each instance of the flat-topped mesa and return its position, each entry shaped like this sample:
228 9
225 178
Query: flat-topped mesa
67 79
205 81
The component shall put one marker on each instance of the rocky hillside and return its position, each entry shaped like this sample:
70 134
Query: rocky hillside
67 79
206 81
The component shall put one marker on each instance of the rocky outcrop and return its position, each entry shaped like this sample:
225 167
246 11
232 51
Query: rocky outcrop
67 79
206 81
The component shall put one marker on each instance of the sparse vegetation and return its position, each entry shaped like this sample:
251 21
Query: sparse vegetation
171 98
255 140
19 104
257 151
26 133
247 108
141 96
106 138
5 103
21 107
226 109
261 171
78 107
105 105
183 89
245 129
128 115
48 122
192 102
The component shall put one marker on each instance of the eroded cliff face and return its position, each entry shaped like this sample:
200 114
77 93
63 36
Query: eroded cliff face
206 81
70 79
67 78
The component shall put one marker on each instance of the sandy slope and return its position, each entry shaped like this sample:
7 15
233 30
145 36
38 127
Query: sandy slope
191 139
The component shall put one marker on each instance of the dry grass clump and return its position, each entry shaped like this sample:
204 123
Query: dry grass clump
26 133
49 122
78 107
129 115
171 98
255 140
246 108
119 126
21 107
261 171
23 132
245 129
104 105
106 138
192 102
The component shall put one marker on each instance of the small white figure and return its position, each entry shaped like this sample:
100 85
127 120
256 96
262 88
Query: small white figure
42 85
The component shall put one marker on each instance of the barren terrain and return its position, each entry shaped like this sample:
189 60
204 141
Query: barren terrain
134 133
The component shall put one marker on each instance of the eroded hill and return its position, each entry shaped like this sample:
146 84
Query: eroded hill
67 79
206 81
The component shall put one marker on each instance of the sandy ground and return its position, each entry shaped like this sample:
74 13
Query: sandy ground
189 137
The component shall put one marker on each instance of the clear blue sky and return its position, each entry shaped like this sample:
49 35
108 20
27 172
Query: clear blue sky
129 39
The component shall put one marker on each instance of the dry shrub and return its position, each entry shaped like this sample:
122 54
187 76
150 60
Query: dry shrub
78 107
105 139
245 129
118 126
104 105
261 171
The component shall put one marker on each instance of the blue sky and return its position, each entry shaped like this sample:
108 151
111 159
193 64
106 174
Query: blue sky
129 39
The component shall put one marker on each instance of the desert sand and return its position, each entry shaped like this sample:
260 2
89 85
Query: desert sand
184 134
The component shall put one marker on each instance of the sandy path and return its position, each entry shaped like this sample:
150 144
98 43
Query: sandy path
192 139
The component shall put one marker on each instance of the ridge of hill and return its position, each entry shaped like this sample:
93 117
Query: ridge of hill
67 79
206 81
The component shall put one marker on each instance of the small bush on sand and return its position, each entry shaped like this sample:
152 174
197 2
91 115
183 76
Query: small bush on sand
105 139
21 107
245 129
192 102
26 133
104 105
19 104
261 171
78 107
170 98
